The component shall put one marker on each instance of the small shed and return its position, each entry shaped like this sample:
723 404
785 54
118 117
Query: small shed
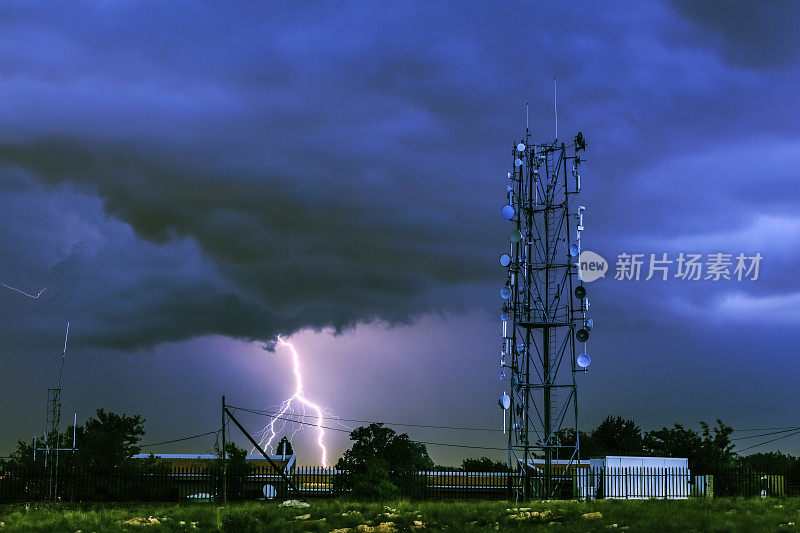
625 477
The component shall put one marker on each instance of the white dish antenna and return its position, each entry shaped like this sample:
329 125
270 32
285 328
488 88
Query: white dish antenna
507 212
574 250
505 293
505 260
518 162
521 147
584 360
504 402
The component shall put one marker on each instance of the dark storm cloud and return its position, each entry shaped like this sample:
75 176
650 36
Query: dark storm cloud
108 277
282 168
755 35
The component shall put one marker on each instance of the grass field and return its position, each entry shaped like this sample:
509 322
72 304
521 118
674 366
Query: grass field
755 515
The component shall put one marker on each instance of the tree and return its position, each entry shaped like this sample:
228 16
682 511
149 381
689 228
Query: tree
566 437
109 441
382 463
22 456
284 447
483 464
677 441
717 447
770 462
105 445
614 436
236 457
708 452
374 480
237 469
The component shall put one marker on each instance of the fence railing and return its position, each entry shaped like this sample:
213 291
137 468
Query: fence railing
204 484
751 482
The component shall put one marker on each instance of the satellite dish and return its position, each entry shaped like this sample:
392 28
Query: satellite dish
269 492
589 324
515 236
521 147
505 294
584 360
505 260
521 347
504 401
574 250
518 162
580 291
582 335
507 212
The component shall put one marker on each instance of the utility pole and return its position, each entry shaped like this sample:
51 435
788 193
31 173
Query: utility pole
224 457
280 471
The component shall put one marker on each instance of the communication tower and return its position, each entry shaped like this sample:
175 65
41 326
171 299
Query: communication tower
52 432
544 322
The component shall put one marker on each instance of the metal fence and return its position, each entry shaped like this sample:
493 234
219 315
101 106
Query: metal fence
205 484
747 482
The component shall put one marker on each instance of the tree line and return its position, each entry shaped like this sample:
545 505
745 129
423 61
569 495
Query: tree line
708 450
105 441
382 463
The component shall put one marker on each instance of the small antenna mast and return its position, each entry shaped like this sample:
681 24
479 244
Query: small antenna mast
527 126
555 103
63 355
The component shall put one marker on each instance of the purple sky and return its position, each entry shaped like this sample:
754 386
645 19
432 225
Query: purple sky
191 179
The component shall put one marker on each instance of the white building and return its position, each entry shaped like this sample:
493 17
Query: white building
619 477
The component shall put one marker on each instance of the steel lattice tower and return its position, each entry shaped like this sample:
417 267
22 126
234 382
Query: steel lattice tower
544 311
52 433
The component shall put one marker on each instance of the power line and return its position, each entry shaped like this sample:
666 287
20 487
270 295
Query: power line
460 445
767 434
348 431
178 440
768 441
461 428
270 413
766 429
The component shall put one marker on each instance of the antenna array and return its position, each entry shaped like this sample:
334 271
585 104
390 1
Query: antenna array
543 312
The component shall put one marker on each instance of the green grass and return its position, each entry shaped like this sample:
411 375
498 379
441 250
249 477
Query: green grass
718 515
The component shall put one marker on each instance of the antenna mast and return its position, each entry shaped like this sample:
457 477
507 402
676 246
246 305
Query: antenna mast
555 103
53 428
543 313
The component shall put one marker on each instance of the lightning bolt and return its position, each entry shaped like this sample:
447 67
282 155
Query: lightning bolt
269 432
35 297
